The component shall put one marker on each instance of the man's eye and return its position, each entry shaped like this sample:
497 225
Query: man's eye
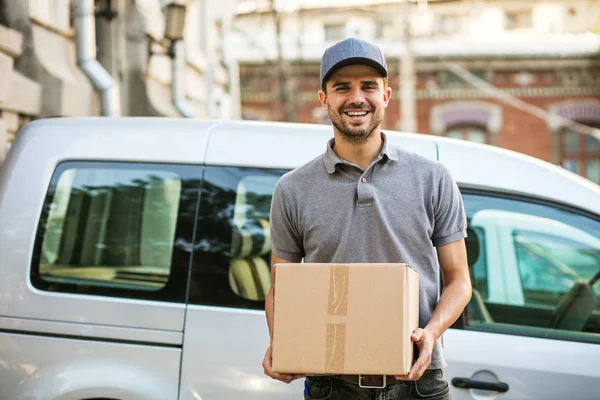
340 88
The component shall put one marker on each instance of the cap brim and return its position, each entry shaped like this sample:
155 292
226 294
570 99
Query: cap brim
354 61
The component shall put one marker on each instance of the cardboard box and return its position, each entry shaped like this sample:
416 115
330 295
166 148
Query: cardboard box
344 318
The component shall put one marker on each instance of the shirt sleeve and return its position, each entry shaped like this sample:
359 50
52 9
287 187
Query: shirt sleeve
286 240
450 220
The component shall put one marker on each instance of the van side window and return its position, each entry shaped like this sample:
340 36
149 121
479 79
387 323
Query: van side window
542 268
479 267
114 229
232 261
548 264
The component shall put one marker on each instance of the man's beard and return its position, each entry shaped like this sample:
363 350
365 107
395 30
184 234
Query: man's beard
352 135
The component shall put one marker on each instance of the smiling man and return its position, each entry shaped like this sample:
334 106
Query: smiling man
367 201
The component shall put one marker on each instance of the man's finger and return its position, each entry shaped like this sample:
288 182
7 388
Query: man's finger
268 368
419 366
287 378
417 335
417 371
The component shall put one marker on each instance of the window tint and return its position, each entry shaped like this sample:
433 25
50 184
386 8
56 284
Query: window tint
533 265
543 277
479 264
117 229
232 263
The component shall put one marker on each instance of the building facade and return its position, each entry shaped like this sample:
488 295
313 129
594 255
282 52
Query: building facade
523 75
70 58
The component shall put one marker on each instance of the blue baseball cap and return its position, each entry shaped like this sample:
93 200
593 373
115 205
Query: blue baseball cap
350 52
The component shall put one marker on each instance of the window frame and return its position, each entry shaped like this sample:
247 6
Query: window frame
464 130
200 289
523 19
514 329
176 287
581 156
333 31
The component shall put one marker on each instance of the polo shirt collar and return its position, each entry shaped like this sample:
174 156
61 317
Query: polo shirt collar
331 159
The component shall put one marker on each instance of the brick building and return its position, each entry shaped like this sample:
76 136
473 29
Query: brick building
491 71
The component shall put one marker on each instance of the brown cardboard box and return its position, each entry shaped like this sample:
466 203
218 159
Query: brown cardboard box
344 318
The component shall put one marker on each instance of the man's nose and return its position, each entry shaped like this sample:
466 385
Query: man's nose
356 95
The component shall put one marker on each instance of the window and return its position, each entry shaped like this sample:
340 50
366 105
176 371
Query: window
334 32
471 133
549 265
452 80
478 265
518 20
581 154
3 19
384 30
535 268
117 229
449 24
232 262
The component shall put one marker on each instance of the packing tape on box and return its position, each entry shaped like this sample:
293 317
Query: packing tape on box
335 339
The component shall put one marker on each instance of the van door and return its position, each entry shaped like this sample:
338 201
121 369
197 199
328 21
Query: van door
226 332
105 284
545 342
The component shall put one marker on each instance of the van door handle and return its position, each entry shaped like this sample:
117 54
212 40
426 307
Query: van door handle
466 383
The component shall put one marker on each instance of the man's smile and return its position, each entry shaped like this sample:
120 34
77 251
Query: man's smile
356 114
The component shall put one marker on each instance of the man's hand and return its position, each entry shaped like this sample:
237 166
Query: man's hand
455 296
268 367
424 341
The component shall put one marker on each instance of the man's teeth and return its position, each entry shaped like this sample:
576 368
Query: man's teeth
356 113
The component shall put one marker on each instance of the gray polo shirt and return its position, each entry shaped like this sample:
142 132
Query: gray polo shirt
397 210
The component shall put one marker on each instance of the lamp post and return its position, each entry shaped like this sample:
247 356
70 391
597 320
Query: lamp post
408 120
106 9
175 21
174 30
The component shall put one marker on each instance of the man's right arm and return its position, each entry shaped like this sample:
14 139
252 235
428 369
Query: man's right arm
269 303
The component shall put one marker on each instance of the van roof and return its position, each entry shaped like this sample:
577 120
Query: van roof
287 145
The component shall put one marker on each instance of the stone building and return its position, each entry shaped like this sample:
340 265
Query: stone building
523 75
70 58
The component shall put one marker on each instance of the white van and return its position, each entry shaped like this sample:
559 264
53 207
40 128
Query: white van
134 262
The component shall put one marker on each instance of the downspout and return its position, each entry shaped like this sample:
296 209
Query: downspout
180 102
85 41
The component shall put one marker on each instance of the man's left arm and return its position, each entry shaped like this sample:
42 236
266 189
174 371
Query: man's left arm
456 294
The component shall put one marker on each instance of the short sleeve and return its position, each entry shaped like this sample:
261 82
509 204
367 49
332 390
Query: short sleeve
450 221
286 240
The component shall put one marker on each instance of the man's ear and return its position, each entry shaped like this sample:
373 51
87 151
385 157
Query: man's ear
323 99
387 95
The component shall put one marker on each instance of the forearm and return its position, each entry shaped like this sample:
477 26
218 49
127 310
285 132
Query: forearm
453 300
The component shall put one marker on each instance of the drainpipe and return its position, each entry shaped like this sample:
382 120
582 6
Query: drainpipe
177 51
85 41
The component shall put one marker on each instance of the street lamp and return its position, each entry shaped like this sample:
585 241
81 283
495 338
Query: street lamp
175 21
106 9
174 29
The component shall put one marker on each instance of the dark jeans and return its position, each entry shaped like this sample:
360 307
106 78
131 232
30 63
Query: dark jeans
431 386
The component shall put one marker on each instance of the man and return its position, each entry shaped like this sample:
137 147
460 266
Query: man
367 201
